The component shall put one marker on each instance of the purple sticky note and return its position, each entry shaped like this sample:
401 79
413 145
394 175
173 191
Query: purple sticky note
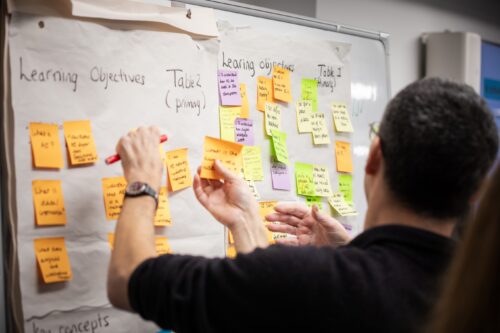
229 87
280 176
243 131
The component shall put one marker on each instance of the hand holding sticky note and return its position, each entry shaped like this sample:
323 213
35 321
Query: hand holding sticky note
228 153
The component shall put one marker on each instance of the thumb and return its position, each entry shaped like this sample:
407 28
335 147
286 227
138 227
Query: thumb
223 171
322 219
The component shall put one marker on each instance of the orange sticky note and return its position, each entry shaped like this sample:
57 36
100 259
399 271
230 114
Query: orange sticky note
80 142
245 109
111 240
179 174
281 84
46 146
265 208
52 259
343 156
162 217
49 202
264 92
229 153
114 191
231 251
161 245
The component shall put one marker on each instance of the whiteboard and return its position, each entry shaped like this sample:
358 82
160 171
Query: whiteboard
117 108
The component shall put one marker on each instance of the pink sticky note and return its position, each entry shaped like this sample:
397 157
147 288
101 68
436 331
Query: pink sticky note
229 87
280 176
243 130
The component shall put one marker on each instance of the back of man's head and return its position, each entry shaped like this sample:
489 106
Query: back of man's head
438 140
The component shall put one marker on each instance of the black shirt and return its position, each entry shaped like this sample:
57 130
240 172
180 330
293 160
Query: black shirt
384 280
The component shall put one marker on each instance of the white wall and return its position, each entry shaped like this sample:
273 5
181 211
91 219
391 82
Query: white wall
406 20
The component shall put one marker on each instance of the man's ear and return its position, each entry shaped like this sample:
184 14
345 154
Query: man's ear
374 161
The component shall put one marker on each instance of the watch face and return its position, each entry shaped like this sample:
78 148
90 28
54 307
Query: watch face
135 188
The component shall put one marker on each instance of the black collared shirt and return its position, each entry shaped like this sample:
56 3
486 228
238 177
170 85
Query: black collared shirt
384 280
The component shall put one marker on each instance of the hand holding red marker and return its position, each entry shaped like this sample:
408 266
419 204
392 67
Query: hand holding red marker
116 157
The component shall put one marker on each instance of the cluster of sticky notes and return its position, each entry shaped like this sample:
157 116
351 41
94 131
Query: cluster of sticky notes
341 118
229 87
312 180
338 203
280 150
280 176
281 84
114 192
243 131
48 201
272 118
264 92
52 259
80 142
179 173
252 163
343 156
162 216
228 153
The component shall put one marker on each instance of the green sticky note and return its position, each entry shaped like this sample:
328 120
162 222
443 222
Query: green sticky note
345 187
304 179
314 201
279 144
310 92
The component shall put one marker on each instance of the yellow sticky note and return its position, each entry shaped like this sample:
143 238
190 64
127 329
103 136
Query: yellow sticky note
113 190
341 118
229 153
343 156
281 84
80 142
111 240
304 113
46 146
52 259
162 217
48 201
245 108
231 251
273 118
264 92
227 116
230 237
252 163
321 180
179 174
319 129
161 245
338 203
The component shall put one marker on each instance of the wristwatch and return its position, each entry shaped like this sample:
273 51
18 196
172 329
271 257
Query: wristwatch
137 189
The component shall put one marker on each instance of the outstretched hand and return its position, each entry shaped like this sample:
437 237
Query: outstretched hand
308 225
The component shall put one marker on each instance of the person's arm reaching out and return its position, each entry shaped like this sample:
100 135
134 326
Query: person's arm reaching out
231 203
134 235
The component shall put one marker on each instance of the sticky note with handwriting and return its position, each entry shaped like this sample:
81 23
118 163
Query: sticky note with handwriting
179 173
52 259
341 117
280 176
252 163
243 131
338 203
49 202
162 246
229 87
273 118
310 92
304 113
280 148
304 179
229 153
321 180
264 92
46 146
266 208
345 186
245 108
80 142
162 216
343 156
227 116
315 201
319 129
253 189
114 191
281 84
